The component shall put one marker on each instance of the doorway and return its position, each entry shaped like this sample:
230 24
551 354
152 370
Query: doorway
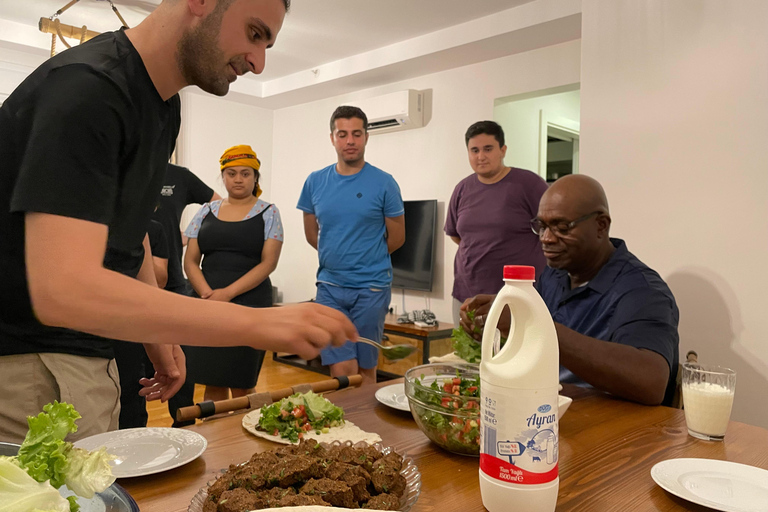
558 146
542 130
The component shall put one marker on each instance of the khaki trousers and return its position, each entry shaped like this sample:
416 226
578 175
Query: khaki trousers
29 381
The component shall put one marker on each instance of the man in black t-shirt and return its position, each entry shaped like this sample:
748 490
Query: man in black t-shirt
84 144
181 187
132 361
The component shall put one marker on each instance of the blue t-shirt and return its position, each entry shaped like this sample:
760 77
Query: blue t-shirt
350 212
626 302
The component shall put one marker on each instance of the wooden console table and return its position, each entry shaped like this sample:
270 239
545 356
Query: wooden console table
431 341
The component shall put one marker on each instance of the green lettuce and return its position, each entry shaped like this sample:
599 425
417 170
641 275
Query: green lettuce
320 414
50 461
19 492
464 345
44 452
88 472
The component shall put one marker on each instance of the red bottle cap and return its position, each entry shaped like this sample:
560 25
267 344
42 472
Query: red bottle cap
520 272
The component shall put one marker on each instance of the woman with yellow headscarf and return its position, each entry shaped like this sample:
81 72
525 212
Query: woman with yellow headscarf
238 239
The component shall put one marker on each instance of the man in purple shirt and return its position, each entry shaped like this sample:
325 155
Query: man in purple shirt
489 217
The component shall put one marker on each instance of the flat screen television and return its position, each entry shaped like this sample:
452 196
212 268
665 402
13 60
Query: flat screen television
413 262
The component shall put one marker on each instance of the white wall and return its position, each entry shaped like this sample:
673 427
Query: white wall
674 124
210 125
426 162
15 66
520 120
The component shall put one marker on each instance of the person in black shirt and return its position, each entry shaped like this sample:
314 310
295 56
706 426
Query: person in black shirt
181 187
131 358
84 143
158 244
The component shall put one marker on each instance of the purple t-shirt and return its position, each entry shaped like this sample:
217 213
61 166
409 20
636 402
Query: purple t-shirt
494 225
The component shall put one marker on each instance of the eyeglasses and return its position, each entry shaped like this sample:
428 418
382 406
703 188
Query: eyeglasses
561 228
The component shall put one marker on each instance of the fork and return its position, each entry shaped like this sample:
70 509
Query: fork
391 352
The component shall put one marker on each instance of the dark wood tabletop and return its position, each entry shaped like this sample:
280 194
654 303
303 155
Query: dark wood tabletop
607 449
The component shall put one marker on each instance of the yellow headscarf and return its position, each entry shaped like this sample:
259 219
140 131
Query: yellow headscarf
242 155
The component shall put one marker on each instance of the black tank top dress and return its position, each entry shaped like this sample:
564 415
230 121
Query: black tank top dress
230 250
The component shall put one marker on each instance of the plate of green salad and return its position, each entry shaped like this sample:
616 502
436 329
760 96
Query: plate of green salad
304 416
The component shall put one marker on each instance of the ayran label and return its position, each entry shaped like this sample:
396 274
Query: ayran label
519 435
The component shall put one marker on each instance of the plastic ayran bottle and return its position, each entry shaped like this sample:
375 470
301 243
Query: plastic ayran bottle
518 407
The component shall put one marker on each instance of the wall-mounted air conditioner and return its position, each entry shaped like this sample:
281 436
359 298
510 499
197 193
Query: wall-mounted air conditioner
400 110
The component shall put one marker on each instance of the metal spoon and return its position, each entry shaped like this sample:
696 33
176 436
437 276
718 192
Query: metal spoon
391 352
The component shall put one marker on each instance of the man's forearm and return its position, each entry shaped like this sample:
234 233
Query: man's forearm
625 371
393 245
74 290
147 270
95 306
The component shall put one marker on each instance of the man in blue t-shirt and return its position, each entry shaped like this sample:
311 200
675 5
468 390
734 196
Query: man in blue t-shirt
354 217
616 319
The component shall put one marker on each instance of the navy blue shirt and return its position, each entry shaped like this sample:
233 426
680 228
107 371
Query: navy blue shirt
626 302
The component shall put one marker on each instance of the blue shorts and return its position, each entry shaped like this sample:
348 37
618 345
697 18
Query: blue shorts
367 308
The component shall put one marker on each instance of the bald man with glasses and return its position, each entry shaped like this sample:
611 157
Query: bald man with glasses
616 319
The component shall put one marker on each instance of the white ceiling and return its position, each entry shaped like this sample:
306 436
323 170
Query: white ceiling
336 45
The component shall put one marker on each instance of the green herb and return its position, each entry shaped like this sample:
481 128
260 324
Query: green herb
464 345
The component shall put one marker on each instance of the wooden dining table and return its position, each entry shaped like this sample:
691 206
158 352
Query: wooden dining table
607 449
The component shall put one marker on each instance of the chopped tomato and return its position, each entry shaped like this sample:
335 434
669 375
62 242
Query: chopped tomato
456 381
445 401
447 387
301 435
276 433
284 414
472 389
306 427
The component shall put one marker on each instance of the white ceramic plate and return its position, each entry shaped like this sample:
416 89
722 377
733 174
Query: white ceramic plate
393 396
146 451
718 484
347 432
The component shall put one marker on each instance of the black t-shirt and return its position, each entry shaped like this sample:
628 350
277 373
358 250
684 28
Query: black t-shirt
180 188
157 242
85 136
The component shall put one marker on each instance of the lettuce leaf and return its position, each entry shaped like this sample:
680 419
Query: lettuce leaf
320 414
88 472
19 492
49 460
44 452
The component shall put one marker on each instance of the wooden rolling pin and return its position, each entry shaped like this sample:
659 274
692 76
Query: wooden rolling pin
256 400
